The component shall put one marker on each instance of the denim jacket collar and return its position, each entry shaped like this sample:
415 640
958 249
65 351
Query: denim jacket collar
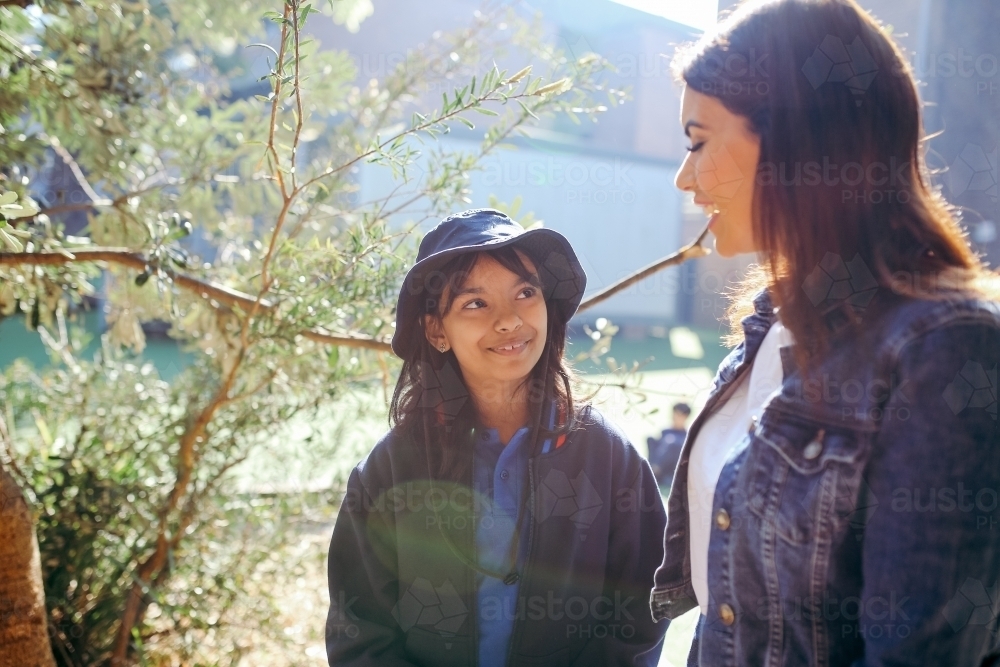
755 327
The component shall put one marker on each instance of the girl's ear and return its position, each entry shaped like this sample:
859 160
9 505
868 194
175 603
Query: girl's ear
435 333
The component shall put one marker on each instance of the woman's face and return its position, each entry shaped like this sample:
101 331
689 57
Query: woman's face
720 169
496 326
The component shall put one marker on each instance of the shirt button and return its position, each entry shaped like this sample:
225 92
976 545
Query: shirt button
504 474
727 614
722 520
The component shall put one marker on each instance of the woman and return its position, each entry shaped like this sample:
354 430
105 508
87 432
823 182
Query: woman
835 500
497 523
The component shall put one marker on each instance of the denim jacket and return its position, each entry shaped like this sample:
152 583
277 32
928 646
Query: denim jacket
856 522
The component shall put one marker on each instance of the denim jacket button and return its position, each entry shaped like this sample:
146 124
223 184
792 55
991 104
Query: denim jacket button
722 520
814 448
753 424
727 614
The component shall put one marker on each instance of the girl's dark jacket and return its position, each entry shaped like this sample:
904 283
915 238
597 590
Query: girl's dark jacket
401 596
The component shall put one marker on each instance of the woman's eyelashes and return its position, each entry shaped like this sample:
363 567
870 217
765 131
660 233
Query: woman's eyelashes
695 148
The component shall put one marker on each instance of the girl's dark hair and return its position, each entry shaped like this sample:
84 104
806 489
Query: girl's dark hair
431 403
841 182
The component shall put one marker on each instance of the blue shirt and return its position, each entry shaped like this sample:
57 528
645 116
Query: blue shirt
500 478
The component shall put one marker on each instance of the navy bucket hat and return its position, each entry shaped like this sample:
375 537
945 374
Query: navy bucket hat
482 230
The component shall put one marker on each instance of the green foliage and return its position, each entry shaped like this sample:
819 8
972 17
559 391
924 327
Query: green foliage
96 448
526 220
234 218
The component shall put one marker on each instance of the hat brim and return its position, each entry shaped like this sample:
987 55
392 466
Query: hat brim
562 275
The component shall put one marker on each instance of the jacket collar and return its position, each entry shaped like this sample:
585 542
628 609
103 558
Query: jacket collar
762 303
756 326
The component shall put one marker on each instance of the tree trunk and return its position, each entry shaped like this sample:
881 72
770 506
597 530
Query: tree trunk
24 637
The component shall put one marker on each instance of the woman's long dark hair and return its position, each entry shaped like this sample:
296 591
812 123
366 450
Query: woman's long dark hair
431 403
841 174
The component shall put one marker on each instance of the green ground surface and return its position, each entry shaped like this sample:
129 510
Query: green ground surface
17 342
653 354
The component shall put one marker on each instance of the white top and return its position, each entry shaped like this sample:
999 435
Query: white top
722 431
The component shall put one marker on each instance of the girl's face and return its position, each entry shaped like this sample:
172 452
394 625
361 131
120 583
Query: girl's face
720 169
496 325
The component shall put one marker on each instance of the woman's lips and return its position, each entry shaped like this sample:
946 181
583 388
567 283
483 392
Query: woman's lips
711 210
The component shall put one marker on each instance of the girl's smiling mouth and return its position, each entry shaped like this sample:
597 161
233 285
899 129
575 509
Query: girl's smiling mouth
512 348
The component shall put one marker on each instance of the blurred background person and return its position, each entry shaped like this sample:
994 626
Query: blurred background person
665 450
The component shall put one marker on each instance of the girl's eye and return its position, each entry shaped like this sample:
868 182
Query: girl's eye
475 304
695 148
527 293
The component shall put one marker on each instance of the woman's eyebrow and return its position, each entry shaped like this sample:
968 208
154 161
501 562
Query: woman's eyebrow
692 123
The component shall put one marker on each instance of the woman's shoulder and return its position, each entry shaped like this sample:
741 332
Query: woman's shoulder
958 318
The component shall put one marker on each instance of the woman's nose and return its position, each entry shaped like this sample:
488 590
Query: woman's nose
684 180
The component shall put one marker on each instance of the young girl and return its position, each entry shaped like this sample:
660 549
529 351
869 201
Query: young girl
824 509
497 523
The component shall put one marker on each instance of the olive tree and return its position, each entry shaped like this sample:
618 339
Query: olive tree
236 220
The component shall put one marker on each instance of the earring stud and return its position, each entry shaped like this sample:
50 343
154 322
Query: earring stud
443 348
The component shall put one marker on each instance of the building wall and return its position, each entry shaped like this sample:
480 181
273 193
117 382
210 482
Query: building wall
608 185
620 213
959 63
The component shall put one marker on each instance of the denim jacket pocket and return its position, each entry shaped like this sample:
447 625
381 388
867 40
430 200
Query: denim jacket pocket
801 474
